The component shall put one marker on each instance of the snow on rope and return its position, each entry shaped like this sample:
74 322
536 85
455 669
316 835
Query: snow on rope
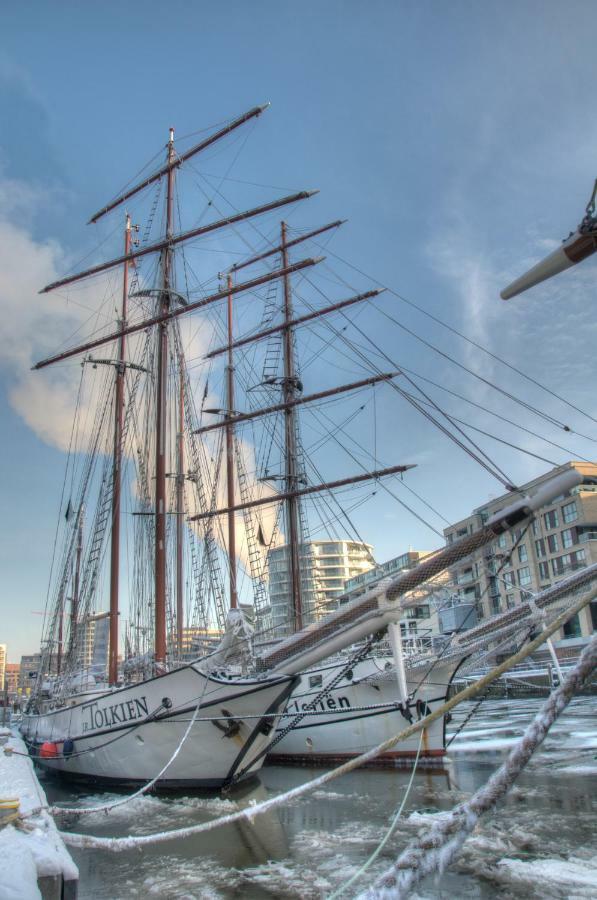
434 850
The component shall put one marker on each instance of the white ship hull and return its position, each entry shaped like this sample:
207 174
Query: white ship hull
361 712
126 736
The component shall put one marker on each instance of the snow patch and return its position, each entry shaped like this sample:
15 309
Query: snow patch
572 878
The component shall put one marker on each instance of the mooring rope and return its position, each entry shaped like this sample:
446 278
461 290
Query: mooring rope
87 841
369 862
434 850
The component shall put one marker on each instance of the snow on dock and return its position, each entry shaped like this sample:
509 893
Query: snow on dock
35 863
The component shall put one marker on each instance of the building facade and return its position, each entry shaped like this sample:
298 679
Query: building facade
11 681
561 538
28 671
325 568
2 665
419 620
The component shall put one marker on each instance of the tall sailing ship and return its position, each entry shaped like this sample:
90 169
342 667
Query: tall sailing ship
205 688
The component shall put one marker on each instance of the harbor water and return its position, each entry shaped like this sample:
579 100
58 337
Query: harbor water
540 843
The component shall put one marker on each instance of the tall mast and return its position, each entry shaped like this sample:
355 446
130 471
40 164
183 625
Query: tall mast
117 469
161 416
74 603
60 634
180 479
230 456
290 390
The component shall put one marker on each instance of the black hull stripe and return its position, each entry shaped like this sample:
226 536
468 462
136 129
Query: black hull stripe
130 687
347 718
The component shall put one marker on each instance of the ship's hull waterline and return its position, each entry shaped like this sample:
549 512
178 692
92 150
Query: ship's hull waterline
126 736
361 712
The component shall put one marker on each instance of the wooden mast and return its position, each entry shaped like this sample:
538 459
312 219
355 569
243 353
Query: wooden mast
161 417
74 603
180 479
117 469
60 635
230 455
289 392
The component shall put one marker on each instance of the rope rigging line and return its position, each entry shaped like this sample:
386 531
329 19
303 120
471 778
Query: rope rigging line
465 338
494 437
434 850
384 486
469 371
369 862
489 465
496 415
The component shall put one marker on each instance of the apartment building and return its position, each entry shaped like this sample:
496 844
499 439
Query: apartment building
419 622
11 680
325 568
561 539
2 664
28 670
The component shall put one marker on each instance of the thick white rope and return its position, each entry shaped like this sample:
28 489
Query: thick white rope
434 850
127 843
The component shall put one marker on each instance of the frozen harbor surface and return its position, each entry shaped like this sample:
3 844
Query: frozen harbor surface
539 844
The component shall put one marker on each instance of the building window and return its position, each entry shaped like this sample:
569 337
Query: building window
502 542
568 537
579 557
522 553
572 627
552 543
540 547
543 571
536 529
524 575
510 601
417 612
569 512
551 519
509 579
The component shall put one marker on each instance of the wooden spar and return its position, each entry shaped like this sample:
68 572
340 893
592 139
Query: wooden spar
230 457
179 238
290 446
180 480
60 633
178 311
161 424
292 243
117 472
197 148
302 492
309 398
299 321
74 603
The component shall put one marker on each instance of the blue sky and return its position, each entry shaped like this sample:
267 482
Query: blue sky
458 139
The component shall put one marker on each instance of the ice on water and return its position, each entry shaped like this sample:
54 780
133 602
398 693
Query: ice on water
539 844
